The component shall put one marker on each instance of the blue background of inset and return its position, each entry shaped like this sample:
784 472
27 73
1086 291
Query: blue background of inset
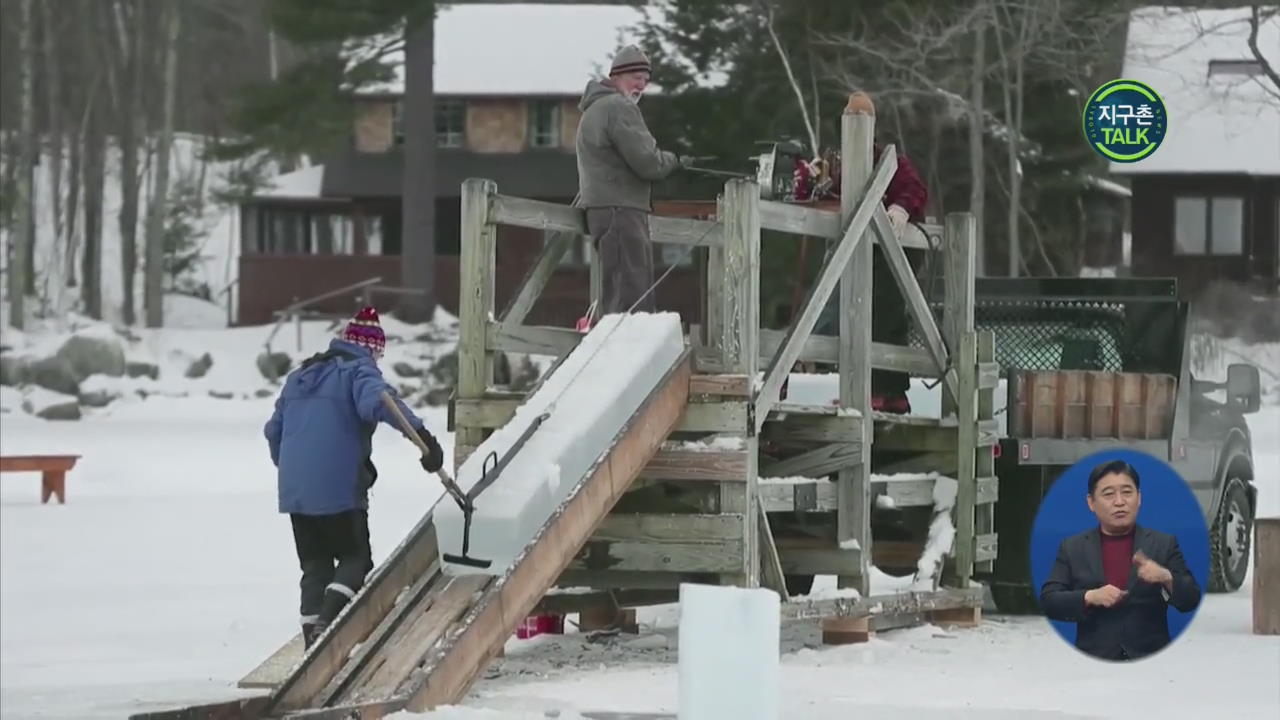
1168 505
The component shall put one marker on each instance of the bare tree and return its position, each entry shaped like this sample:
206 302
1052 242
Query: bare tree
54 135
1257 17
158 207
22 236
418 197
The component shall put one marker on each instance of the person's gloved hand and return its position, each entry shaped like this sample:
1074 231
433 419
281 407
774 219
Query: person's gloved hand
898 218
433 460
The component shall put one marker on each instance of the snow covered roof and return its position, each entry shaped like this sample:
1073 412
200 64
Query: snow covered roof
304 183
518 49
1220 123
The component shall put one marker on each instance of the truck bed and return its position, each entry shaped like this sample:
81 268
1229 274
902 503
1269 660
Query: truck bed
1090 404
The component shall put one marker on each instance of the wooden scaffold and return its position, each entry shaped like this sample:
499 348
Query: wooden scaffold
704 508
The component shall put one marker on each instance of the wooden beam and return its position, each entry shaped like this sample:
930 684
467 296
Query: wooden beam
819 462
534 339
710 465
892 435
890 604
563 603
966 456
902 273
808 429
523 212
458 658
721 384
884 356
771 574
640 556
788 352
815 222
959 289
669 528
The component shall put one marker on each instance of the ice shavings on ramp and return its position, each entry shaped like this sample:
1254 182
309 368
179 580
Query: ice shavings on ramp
588 399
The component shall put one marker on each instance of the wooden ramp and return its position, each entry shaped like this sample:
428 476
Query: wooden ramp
415 637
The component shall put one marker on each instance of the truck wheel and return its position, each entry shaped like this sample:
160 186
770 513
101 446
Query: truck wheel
1229 539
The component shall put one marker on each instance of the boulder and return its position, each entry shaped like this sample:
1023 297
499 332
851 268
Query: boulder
89 355
199 367
138 368
97 398
12 370
263 393
274 366
404 369
221 394
51 405
54 373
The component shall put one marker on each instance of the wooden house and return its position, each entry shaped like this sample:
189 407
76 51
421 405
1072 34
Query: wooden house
1206 204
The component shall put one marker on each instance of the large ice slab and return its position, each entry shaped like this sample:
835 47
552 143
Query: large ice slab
589 399
728 653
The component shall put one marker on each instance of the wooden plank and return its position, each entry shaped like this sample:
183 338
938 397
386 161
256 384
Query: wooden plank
563 603
892 434
669 528
236 709
431 621
475 302
771 574
819 462
817 557
984 547
905 277
984 467
785 358
539 215
532 339
273 671
630 579
695 557
685 231
459 657
890 604
703 465
822 349
806 428
816 222
37 463
721 384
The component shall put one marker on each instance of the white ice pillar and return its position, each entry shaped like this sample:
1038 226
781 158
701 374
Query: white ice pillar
728 653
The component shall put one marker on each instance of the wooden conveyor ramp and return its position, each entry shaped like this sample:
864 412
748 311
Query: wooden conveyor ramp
415 637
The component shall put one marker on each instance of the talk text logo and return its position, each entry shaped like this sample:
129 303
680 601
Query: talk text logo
1125 120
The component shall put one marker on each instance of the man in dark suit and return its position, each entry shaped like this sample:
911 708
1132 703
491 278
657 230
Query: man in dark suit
1116 581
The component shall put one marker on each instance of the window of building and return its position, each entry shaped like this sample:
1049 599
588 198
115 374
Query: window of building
451 122
1208 225
544 123
1248 68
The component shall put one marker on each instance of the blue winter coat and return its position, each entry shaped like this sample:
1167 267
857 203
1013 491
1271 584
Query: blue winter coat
321 432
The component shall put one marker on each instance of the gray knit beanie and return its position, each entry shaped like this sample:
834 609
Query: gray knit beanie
630 59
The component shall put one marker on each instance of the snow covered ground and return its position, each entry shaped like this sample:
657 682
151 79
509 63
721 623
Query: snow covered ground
168 575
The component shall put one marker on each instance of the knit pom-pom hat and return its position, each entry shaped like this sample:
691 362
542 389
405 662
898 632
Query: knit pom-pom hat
364 329
630 59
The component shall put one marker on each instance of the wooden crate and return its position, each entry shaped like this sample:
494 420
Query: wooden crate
1092 404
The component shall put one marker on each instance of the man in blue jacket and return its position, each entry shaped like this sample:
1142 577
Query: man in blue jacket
321 437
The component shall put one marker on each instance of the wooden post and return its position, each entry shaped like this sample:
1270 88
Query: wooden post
959 234
853 515
1266 576
475 305
958 331
736 303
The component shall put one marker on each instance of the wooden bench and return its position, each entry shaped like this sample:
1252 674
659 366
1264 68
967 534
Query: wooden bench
52 468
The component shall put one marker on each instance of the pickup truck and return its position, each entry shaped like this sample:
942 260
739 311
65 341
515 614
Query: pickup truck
1091 364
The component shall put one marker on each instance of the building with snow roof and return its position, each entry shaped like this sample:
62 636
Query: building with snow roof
507 81
1206 204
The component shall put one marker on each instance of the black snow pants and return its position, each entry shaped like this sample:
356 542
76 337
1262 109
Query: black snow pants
621 237
336 556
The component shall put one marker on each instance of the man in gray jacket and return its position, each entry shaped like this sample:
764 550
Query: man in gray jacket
618 161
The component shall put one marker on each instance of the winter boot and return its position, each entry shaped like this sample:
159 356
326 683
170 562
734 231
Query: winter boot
311 632
336 597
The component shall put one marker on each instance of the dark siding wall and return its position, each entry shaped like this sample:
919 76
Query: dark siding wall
1153 231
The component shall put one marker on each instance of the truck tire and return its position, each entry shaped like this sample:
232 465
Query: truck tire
1229 538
